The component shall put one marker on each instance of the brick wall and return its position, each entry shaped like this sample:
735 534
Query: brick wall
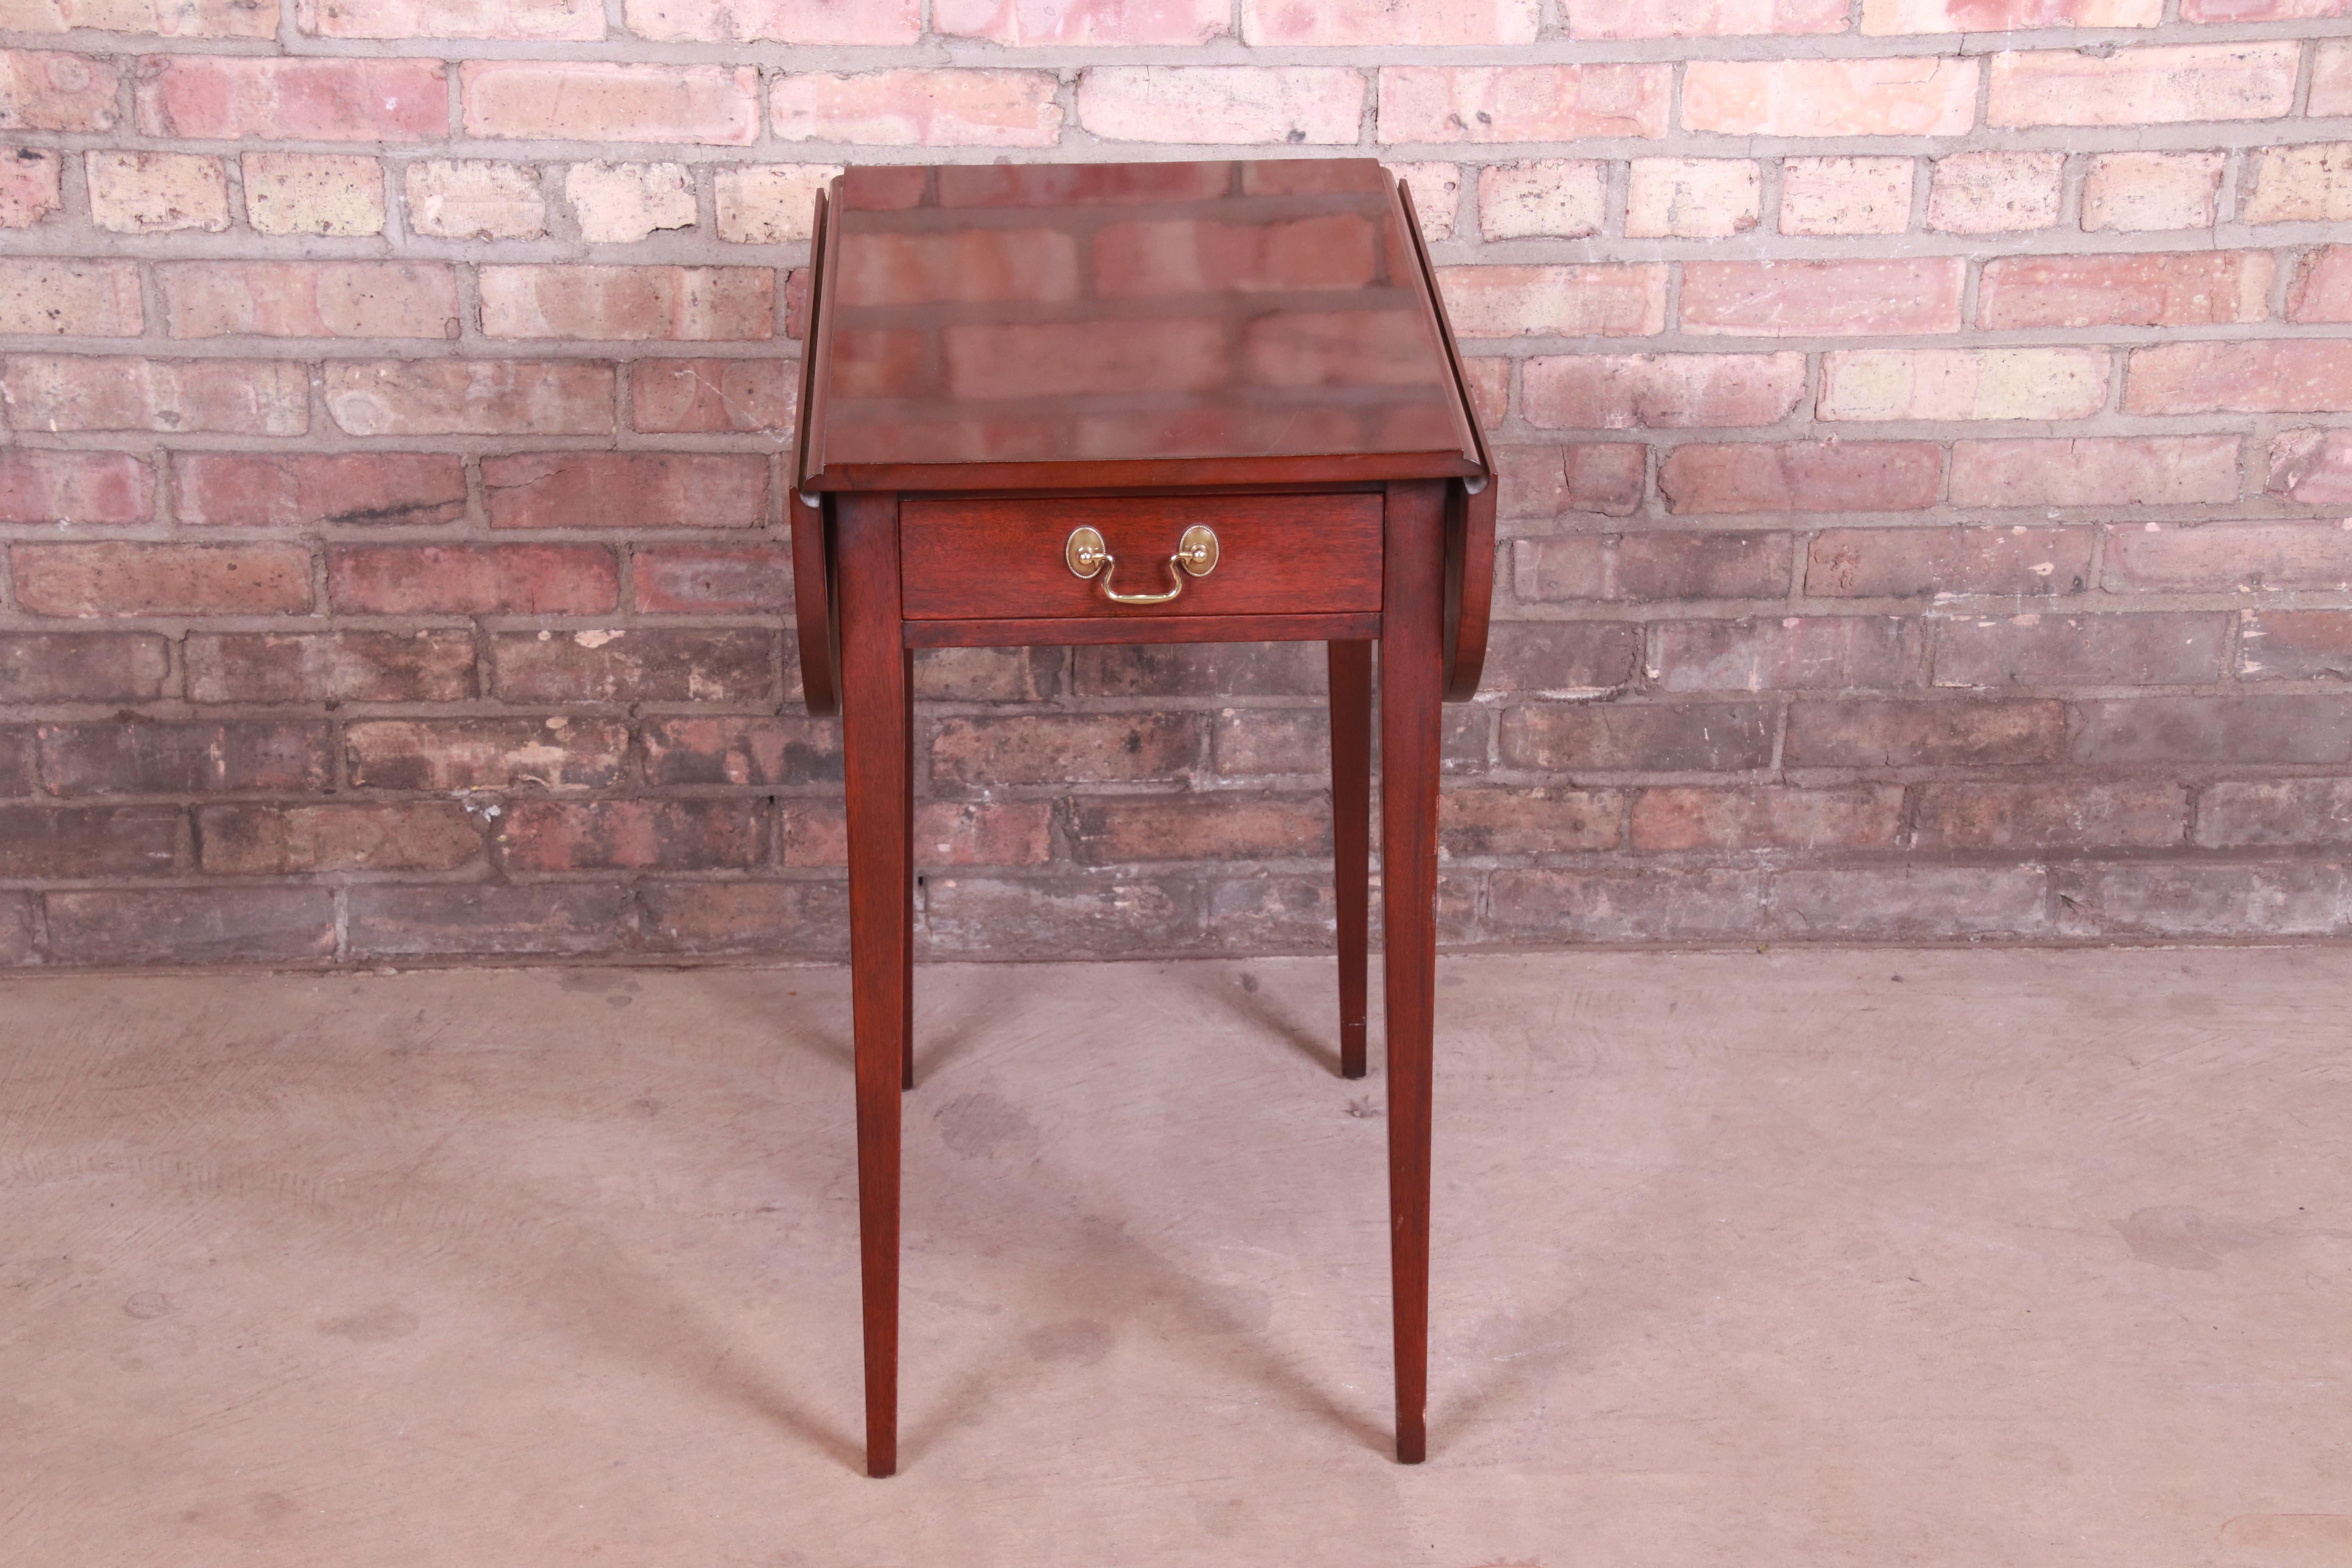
1925 500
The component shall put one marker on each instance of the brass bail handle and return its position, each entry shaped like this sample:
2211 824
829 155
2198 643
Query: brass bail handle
1196 552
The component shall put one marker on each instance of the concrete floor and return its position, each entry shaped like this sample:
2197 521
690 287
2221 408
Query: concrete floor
1806 1258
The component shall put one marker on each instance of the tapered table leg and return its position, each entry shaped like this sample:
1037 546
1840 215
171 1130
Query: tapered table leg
1351 836
1412 677
876 762
907 1030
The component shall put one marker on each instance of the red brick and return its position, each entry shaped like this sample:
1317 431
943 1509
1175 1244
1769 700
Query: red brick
17 769
60 297
212 98
89 841
161 579
1767 818
786 750
2235 813
473 580
1914 562
1710 199
1930 95
2138 191
625 490
453 755
1650 738
30 191
74 486
713 394
1822 299
192 925
717 665
1813 476
800 22
634 304
2155 470
1559 658
332 666
286 489
801 919
2239 731
1892 734
1995 192
2302 376
2054 816
1550 481
1059 748
1254 743
1523 104
1114 916
1477 822
629 835
79 760
1846 196
469 397
2222 557
1030 23
2005 15
309 299
2039 650
1702 18
1626 906
41 90
923 108
242 397
1601 300
1222 827
526 20
1224 669
388 921
1432 24
2295 645
601 101
1230 104
1653 566
1789 653
1909 903
1621 392
2313 466
1490 388
988 674
1963 384
2151 290
301 840
2307 182
2331 80
983 833
2302 897
2144 87
81 667
691 579
2321 290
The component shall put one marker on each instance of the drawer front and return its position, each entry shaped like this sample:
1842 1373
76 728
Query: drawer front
1005 559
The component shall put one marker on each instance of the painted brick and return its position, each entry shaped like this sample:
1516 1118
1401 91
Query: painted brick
1037 23
1897 734
1845 196
307 193
1995 193
2162 86
2221 557
473 580
2162 289
2321 290
161 579
1963 384
449 754
62 298
2313 466
1601 300
167 18
1696 197
1561 658
242 397
2239 731
473 198
42 91
717 665
192 925
2238 813
2005 15
283 841
2155 470
713 394
308 299
1787 653
601 101
1701 18
625 490
629 835
331 667
2308 376
801 919
84 759
1520 103
1553 481
1822 299
1126 830
714 579
692 304
1057 748
1928 95
1916 562
1809 476
1542 197
1900 902
89 841
156 192
1627 906
2310 183
1477 822
1651 738
2042 650
288 489
388 921
801 22
2295 645
1767 817
788 750
620 203
74 486
31 187
2067 814
2135 191
527 20
1652 566
770 203
1622 392
469 397
81 667
922 109
236 98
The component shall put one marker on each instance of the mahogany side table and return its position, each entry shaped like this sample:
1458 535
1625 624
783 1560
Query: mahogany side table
1137 403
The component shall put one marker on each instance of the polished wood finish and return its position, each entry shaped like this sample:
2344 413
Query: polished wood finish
1002 559
1351 838
1094 629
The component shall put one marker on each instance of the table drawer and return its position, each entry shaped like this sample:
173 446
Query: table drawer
1007 559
